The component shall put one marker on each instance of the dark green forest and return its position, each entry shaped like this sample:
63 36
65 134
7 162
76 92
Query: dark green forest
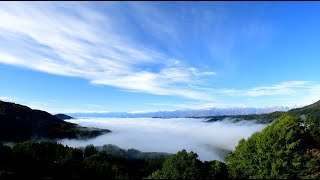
63 116
20 123
42 160
288 147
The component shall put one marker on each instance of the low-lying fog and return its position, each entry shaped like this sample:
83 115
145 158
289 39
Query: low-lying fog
210 141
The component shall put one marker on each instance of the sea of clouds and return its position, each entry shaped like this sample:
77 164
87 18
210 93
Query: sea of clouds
211 141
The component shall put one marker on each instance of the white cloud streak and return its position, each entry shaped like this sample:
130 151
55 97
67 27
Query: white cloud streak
283 88
289 93
71 39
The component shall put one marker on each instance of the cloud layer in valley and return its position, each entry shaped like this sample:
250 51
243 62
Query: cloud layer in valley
209 140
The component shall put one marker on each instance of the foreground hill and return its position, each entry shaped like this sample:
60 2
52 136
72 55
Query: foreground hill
285 149
19 123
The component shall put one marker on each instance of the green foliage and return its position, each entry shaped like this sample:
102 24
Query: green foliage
181 165
40 160
276 152
214 170
74 154
89 151
313 109
312 127
313 166
260 118
312 144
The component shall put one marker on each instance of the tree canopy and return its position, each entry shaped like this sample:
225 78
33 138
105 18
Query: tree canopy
277 152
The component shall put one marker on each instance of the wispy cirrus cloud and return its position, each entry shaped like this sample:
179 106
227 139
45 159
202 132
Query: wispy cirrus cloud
283 88
101 44
290 93
71 39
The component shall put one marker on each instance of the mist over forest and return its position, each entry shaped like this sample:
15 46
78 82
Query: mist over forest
212 141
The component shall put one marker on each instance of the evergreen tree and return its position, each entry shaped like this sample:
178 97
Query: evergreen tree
276 152
89 151
181 165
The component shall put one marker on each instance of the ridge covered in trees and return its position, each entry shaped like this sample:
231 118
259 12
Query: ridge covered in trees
310 109
63 116
21 123
268 118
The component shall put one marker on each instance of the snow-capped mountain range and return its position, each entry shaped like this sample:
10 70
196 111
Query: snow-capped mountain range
187 112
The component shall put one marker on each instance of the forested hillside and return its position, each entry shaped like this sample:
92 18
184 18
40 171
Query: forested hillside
20 123
312 108
49 160
63 116
287 148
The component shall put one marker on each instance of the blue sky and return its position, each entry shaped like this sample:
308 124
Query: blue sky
148 56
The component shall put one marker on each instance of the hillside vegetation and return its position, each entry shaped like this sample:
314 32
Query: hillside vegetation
63 116
310 109
287 148
20 123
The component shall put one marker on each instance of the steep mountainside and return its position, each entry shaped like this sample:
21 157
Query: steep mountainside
19 123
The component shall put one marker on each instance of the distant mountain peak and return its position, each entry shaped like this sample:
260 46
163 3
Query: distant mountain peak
182 113
63 116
